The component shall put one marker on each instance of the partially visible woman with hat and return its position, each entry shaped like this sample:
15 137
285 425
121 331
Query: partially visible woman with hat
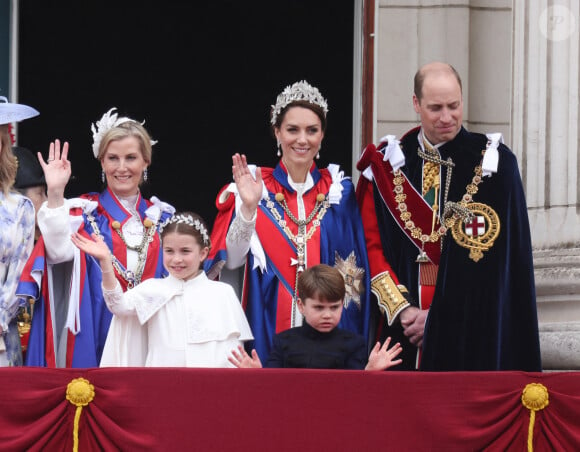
71 321
16 234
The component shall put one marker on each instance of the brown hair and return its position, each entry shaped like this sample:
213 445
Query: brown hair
422 73
316 109
8 162
181 227
321 281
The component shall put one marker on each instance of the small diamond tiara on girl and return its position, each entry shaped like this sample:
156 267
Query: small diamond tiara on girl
189 219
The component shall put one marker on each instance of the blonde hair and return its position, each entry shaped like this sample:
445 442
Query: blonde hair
8 162
124 130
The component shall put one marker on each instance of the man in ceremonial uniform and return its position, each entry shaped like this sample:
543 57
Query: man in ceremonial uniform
448 238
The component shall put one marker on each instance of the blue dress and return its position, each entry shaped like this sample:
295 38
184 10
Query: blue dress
16 242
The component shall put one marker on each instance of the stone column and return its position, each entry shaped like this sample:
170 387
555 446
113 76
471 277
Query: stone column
474 36
545 137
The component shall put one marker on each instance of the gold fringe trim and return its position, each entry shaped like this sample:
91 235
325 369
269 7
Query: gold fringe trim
535 397
80 393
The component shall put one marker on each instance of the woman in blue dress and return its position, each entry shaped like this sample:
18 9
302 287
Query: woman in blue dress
16 235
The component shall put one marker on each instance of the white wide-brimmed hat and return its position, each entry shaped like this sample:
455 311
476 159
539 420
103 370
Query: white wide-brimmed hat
14 112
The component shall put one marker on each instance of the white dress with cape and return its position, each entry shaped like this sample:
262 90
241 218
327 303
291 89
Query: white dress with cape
194 323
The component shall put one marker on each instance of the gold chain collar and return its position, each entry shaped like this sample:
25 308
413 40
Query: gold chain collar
406 215
319 210
147 223
303 235
132 278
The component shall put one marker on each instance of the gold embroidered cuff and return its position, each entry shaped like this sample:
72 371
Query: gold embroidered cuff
392 298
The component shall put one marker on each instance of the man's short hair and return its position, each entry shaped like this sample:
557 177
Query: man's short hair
420 78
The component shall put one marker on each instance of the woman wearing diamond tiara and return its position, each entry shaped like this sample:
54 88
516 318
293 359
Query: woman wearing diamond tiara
71 323
279 221
16 234
187 320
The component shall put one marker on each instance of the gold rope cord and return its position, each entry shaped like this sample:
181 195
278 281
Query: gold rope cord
80 393
535 398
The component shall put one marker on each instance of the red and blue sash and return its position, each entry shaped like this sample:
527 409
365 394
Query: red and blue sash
85 348
278 246
268 291
422 213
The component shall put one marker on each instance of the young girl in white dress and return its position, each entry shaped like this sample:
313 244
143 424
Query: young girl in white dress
187 320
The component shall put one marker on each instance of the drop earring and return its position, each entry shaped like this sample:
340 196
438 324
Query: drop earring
103 176
145 175
279 153
318 153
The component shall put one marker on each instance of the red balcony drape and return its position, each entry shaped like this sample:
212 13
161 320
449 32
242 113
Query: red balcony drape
285 409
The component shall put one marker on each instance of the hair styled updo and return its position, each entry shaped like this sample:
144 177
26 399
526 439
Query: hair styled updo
124 130
316 109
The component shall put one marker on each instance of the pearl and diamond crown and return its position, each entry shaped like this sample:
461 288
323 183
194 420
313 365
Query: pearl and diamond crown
298 91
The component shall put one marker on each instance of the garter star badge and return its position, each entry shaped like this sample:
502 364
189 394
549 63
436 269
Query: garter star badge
352 275
479 233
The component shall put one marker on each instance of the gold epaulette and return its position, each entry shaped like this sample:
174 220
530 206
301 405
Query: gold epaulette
392 298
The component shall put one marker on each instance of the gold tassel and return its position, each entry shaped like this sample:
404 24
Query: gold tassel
535 398
80 393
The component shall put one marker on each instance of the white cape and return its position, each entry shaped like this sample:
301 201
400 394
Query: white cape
173 323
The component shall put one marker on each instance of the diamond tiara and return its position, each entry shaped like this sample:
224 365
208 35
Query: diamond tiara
187 219
107 122
298 91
